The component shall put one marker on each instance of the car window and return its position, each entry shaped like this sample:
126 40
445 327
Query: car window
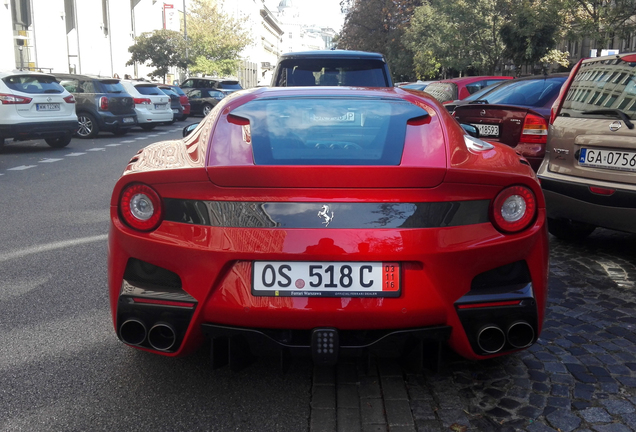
331 72
599 85
178 91
33 84
229 85
87 86
534 93
482 92
194 94
71 85
214 93
187 84
112 86
326 131
476 86
442 91
149 90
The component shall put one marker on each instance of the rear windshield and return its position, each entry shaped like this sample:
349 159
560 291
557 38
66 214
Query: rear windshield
230 85
178 91
327 131
331 72
33 84
149 90
112 86
533 93
599 85
442 91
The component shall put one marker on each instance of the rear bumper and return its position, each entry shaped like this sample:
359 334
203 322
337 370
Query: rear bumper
111 122
146 116
572 199
38 130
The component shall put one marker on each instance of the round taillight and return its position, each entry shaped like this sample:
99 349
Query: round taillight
514 209
140 207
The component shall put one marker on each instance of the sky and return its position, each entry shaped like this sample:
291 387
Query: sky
318 12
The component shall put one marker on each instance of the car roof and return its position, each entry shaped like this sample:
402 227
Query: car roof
470 79
332 54
4 74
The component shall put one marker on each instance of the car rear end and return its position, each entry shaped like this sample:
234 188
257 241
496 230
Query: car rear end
151 104
185 102
443 91
516 114
175 102
116 108
34 106
345 219
589 173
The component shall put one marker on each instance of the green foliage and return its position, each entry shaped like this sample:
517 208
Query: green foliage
215 40
160 49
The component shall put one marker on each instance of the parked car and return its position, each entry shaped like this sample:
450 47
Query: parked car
35 106
331 68
151 104
452 89
203 100
225 86
183 99
102 104
175 103
419 85
327 220
450 106
588 175
516 113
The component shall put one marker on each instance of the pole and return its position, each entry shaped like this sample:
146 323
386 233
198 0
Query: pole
185 31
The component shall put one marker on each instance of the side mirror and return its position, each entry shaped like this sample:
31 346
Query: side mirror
470 130
189 128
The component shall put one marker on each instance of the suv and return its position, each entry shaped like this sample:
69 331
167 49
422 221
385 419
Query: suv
102 104
225 86
34 106
588 175
332 68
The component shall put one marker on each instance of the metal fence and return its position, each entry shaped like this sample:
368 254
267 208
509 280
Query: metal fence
248 74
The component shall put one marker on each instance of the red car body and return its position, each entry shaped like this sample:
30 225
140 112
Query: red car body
452 89
212 216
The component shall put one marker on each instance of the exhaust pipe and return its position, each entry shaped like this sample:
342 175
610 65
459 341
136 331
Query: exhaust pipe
162 336
520 334
491 339
133 332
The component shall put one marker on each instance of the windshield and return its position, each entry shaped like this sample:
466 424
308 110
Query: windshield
112 86
327 131
230 85
331 72
484 91
533 92
599 85
149 90
33 84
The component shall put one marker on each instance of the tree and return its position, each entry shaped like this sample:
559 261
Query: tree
379 26
162 49
462 35
600 20
216 40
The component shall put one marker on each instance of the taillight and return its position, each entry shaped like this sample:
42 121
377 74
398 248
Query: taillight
558 103
513 209
8 99
103 103
140 207
69 99
535 130
141 101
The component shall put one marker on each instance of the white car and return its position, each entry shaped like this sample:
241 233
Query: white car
151 104
35 106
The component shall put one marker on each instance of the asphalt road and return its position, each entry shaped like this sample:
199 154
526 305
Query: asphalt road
62 367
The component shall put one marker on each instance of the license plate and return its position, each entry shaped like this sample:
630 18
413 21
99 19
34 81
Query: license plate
325 279
608 159
176 111
160 106
47 107
129 120
487 130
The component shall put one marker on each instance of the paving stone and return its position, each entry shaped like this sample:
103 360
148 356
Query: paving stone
563 420
422 410
560 390
347 396
393 388
374 428
372 411
529 412
555 367
322 420
324 375
348 419
595 415
612 427
618 406
323 397
539 427
402 429
540 387
347 373
537 400
430 426
398 413
559 402
369 388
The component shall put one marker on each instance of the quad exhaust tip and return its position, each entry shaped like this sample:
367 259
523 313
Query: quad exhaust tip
133 332
162 336
520 334
491 339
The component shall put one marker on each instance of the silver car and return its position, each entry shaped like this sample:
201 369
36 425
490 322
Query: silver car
588 175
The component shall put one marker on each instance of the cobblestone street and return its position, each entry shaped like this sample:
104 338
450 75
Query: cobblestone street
580 376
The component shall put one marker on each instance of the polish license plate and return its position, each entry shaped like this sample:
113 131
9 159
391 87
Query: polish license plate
487 130
129 120
176 111
160 106
325 279
47 107
609 159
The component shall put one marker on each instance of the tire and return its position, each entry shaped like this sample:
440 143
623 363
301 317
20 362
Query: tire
88 127
121 132
1 142
206 109
59 142
148 126
567 229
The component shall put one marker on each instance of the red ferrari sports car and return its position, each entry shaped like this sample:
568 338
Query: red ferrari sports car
327 220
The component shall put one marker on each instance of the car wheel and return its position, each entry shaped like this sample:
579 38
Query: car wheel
148 126
59 142
567 229
120 132
87 126
206 109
